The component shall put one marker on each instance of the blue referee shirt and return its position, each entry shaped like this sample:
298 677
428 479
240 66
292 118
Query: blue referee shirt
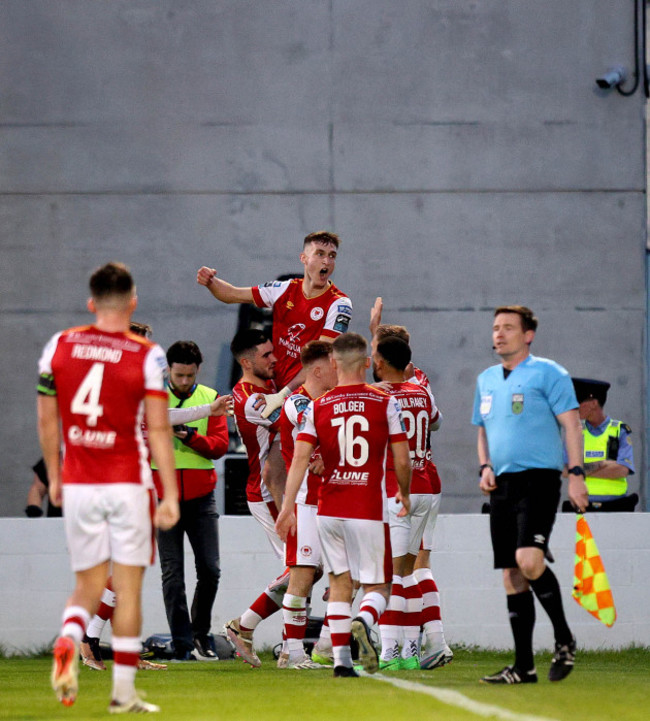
519 414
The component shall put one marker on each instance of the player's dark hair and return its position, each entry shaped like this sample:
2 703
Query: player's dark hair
185 352
324 237
109 280
528 319
392 331
350 342
143 329
246 340
395 352
314 351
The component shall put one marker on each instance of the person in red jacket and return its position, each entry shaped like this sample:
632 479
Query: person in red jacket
196 445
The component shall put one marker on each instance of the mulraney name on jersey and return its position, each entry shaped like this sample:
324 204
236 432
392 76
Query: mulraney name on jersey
350 407
412 402
89 352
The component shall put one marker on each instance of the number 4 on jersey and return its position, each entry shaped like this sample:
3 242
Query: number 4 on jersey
86 399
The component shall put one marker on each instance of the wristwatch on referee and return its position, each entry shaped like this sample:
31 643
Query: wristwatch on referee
577 471
483 467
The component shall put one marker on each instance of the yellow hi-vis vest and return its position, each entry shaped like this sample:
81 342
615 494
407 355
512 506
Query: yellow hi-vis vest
596 450
184 456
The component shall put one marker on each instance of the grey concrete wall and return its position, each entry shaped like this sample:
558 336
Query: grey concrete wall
458 148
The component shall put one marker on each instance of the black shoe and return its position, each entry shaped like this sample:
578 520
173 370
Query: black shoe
510 675
204 649
345 672
184 656
563 660
91 654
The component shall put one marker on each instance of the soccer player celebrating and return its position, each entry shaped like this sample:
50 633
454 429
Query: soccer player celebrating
400 624
435 651
353 424
255 354
95 382
310 308
303 552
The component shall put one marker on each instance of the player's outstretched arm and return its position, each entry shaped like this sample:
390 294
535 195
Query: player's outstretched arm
270 402
375 315
162 450
222 290
221 406
49 436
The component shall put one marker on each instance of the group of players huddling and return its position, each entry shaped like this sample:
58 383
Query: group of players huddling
340 473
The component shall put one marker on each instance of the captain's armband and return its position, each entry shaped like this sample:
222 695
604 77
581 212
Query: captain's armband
46 386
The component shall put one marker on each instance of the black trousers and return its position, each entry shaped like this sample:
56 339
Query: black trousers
200 521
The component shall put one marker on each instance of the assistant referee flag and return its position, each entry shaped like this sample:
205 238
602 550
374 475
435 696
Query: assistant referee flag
590 583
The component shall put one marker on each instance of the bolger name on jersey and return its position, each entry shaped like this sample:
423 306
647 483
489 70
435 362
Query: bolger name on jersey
349 407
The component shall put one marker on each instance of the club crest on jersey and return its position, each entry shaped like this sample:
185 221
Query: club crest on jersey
289 305
294 331
317 313
517 403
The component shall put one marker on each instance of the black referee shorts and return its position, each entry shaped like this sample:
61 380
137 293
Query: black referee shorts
522 512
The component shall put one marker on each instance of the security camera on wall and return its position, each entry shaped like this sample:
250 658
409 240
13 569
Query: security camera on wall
612 78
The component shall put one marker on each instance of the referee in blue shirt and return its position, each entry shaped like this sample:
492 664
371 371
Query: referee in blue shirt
520 408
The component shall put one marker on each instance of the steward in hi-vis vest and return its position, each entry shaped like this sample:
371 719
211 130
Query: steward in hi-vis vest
196 445
608 455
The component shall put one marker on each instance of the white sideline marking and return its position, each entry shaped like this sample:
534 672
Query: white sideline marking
453 698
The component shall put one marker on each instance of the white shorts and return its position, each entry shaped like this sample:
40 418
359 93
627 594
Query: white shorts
427 538
303 549
261 512
108 521
358 546
406 533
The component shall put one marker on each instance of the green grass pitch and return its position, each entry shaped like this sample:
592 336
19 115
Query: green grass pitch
605 686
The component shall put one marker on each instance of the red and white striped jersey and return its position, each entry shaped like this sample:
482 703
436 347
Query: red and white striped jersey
257 434
353 426
420 377
417 414
100 380
292 410
297 320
